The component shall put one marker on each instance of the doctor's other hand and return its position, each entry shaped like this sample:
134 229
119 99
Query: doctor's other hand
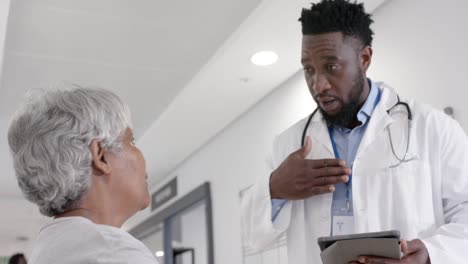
414 252
299 178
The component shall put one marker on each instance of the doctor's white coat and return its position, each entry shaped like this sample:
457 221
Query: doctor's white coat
426 198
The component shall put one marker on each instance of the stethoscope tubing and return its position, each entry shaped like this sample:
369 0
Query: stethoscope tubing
410 118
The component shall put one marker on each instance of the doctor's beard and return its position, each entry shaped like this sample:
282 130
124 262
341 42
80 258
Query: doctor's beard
348 112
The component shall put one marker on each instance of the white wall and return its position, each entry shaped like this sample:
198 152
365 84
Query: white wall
418 49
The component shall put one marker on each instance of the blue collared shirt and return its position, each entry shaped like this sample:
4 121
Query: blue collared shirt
347 142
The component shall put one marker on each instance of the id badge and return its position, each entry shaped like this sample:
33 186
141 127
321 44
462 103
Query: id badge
343 225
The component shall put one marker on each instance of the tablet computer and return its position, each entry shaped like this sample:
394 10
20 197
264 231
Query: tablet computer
325 242
346 248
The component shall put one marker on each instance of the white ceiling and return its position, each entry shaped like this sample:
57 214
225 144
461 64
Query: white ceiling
183 67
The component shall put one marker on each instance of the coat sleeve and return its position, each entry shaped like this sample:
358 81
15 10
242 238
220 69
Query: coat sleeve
259 229
449 242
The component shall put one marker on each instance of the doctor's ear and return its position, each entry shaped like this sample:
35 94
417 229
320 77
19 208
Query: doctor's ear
365 58
100 164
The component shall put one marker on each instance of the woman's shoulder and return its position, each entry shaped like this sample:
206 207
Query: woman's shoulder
90 241
120 245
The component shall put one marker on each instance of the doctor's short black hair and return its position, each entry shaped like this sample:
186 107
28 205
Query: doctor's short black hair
15 259
343 16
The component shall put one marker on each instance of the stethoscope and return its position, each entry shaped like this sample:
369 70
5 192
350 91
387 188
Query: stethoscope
410 117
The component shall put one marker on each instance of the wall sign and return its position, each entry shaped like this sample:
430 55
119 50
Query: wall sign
164 194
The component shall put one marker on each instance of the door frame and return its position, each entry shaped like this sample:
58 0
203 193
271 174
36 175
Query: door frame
151 224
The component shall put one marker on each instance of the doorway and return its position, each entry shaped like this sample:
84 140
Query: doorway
182 233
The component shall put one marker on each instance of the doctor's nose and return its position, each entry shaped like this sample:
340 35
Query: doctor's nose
321 84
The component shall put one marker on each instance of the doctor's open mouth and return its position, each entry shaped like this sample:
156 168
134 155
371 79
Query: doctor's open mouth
329 104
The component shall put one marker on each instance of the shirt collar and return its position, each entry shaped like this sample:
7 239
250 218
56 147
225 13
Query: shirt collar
369 105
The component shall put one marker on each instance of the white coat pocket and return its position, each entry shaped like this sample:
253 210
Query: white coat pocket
401 198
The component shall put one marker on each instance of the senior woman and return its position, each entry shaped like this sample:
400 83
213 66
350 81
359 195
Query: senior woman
75 158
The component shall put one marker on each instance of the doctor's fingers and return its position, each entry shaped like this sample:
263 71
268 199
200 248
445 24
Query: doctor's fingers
324 163
325 181
408 247
327 171
317 190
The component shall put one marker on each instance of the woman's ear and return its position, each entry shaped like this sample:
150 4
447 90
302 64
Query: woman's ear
100 164
365 58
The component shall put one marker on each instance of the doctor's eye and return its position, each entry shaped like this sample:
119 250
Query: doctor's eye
331 67
308 71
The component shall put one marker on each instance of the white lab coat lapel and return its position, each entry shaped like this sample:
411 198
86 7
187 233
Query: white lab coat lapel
320 215
380 119
319 133
370 160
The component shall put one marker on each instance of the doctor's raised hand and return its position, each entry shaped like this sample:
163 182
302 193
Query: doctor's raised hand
299 178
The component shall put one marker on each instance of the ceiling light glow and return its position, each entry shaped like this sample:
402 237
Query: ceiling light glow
264 58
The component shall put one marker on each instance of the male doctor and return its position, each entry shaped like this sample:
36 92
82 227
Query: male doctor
368 160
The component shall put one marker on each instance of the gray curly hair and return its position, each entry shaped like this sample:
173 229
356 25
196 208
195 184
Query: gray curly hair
49 138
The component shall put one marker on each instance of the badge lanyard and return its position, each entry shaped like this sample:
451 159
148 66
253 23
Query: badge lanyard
337 155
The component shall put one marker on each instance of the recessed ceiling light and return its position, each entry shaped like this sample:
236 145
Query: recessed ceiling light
245 79
264 58
159 253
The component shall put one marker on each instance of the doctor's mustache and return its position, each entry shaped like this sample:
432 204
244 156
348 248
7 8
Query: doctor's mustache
326 96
